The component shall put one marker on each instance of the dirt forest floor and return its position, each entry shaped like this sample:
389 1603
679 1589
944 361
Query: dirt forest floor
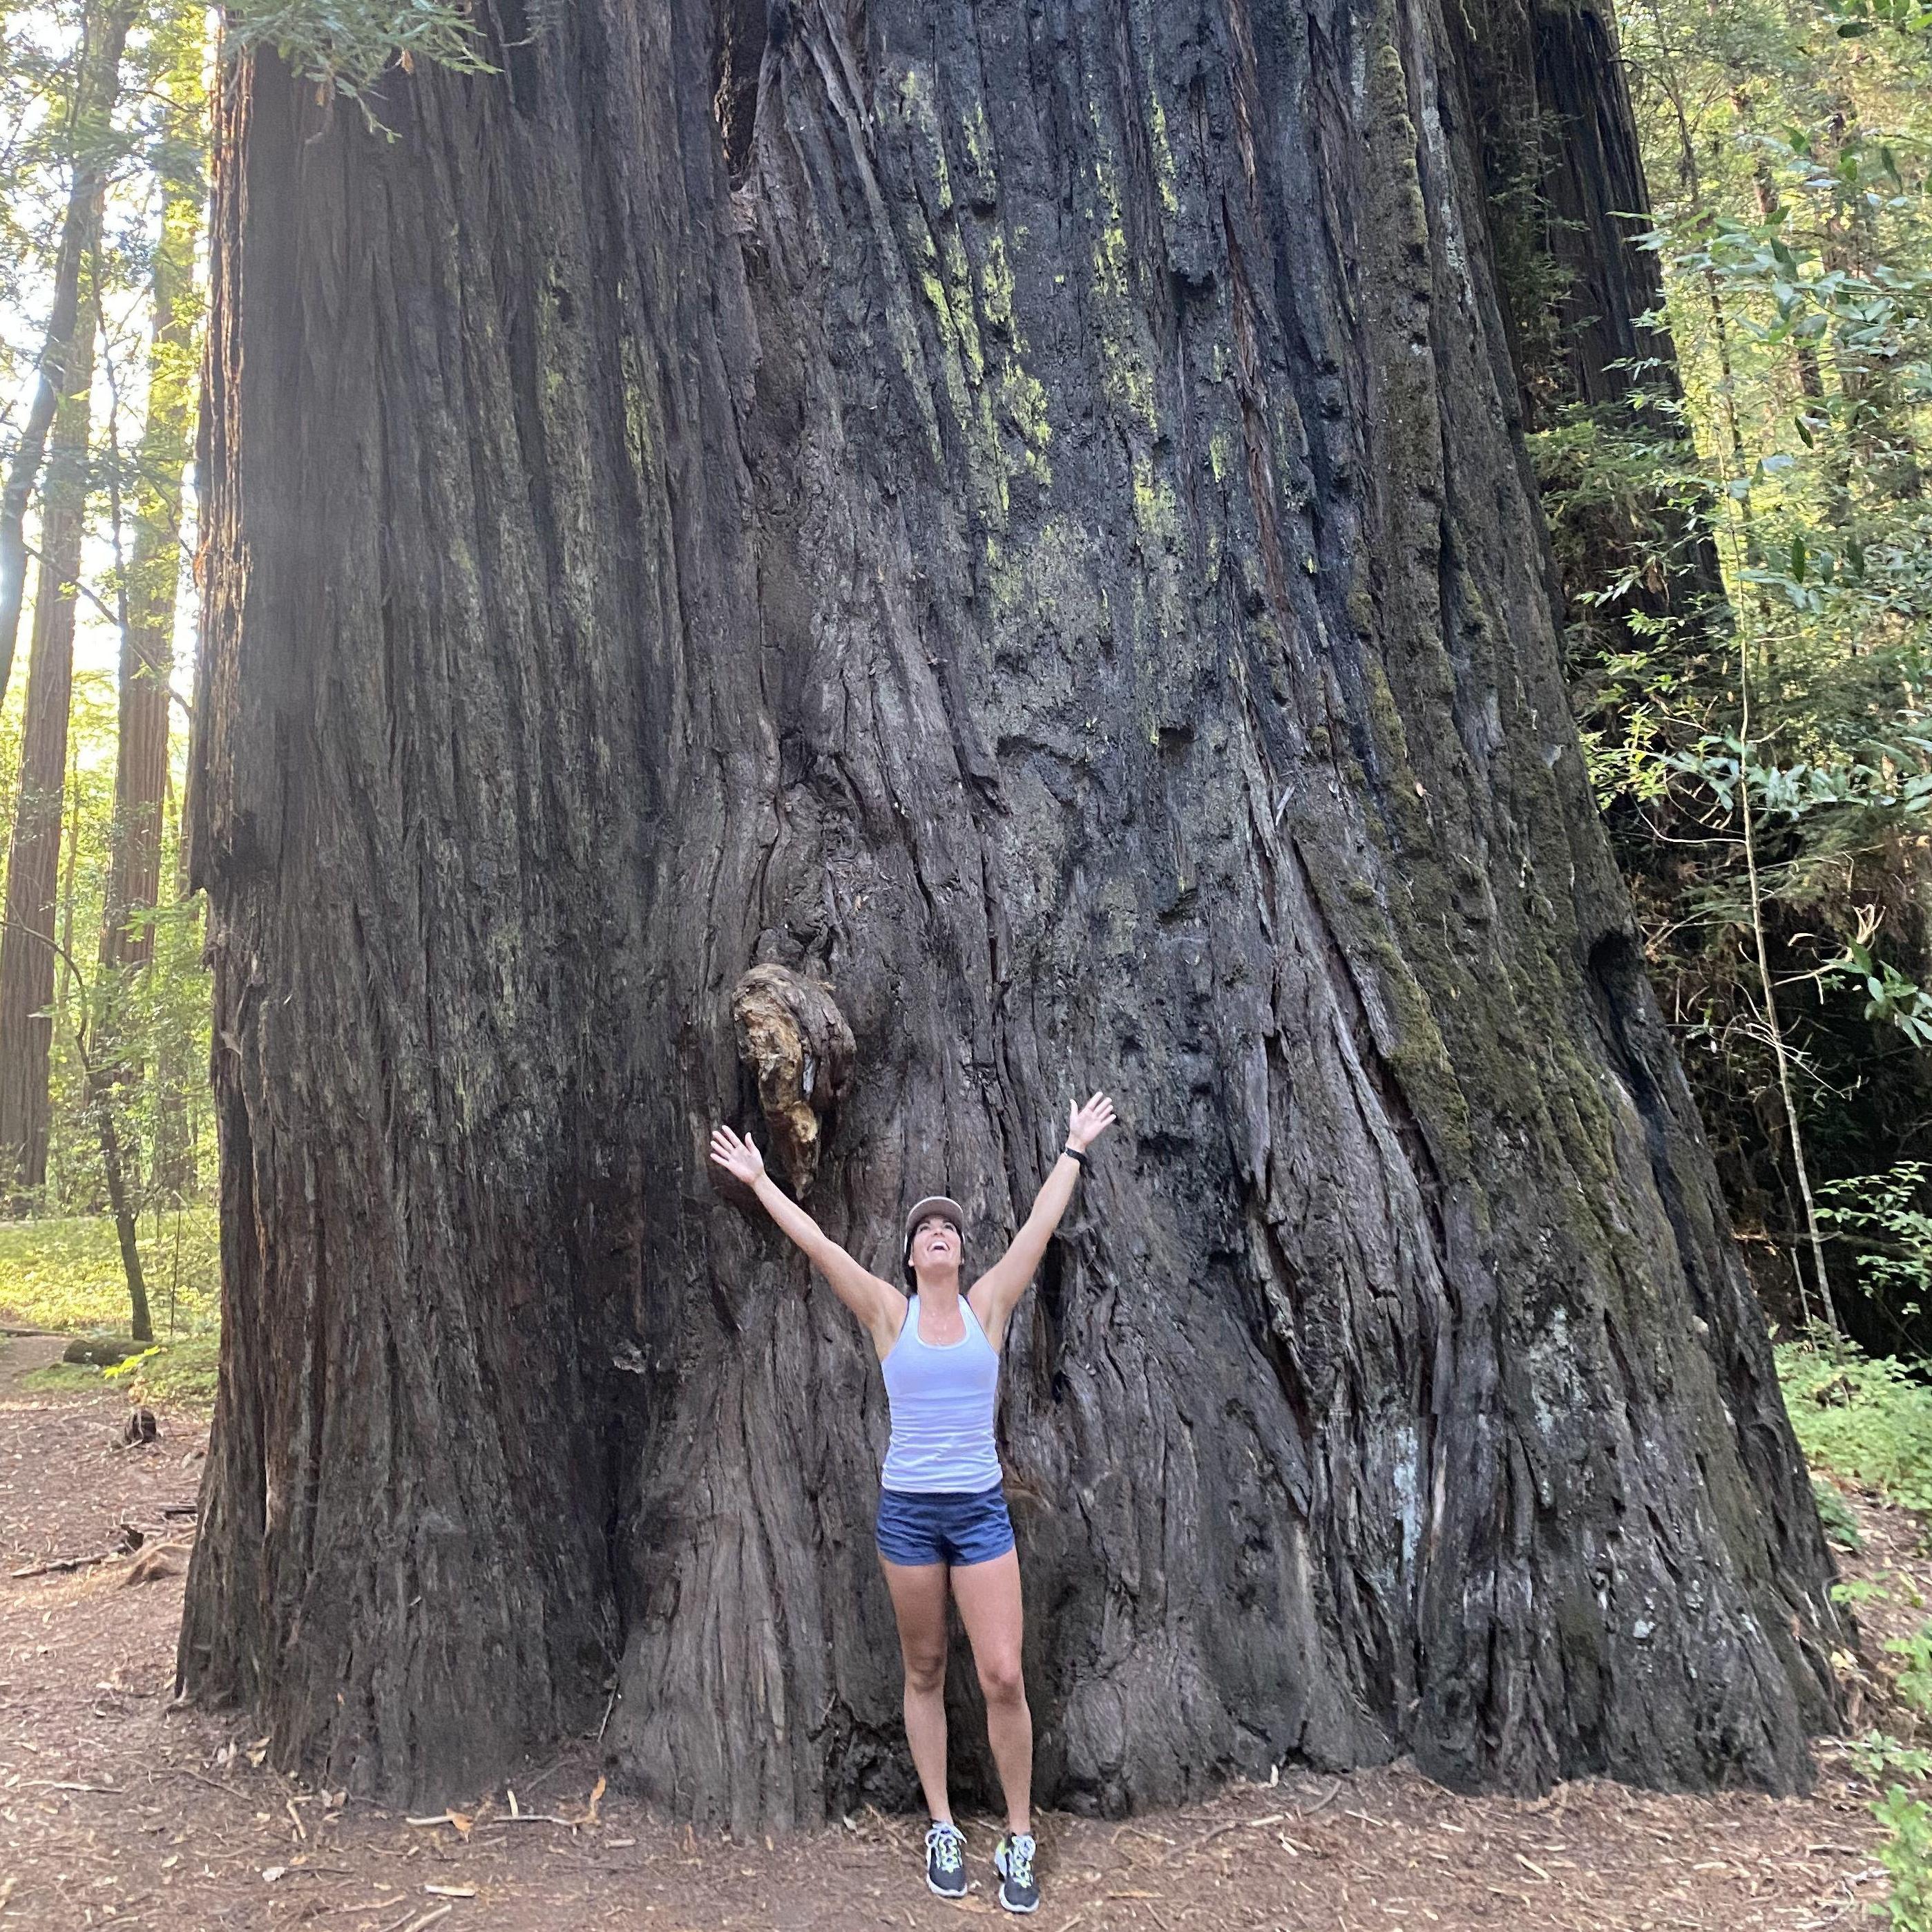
116 1810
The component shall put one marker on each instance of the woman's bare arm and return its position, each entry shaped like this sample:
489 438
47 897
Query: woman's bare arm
995 1293
876 1303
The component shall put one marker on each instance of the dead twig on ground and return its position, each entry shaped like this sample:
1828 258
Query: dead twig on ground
1235 1825
60 1564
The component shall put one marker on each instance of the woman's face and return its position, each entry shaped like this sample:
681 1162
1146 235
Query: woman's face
935 1242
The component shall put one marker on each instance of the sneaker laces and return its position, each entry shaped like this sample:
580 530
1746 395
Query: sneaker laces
1019 1858
944 1845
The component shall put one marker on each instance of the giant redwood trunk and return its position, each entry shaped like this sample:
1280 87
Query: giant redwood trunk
1015 510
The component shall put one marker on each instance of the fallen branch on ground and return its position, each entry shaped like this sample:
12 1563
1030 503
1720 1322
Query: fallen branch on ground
53 1564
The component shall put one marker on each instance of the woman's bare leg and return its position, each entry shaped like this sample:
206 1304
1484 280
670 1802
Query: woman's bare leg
919 1601
988 1595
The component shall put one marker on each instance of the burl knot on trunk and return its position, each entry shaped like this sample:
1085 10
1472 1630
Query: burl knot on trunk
794 1039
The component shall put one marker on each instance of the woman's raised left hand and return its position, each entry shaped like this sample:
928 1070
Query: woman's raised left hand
738 1158
1085 1125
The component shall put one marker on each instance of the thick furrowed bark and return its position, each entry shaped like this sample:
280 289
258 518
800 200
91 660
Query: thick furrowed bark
410 1572
1034 537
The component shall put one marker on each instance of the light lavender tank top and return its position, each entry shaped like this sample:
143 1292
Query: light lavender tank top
942 1404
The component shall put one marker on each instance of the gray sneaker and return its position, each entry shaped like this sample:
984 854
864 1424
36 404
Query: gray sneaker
946 1860
1012 1859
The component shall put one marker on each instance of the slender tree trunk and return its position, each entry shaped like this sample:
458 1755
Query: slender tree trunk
1768 992
66 986
120 1203
1023 523
71 838
28 948
68 339
179 1072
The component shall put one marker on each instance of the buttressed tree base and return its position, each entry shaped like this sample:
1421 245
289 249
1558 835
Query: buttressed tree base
1013 511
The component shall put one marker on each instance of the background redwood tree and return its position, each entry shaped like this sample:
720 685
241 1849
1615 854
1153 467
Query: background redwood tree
29 936
149 597
1016 510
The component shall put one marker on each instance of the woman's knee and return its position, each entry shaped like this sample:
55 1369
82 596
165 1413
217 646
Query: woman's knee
924 1671
1001 1681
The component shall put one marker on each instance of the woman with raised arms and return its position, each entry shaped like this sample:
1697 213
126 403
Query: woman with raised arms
942 1527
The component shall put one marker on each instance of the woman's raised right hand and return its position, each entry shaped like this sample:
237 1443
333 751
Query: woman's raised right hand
738 1158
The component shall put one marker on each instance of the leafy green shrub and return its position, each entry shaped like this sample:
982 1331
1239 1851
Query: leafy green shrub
1841 1527
1877 1755
67 1274
1886 1207
1914 1680
1864 1417
1907 1854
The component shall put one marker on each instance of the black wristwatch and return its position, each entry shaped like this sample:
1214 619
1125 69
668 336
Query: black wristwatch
1076 1153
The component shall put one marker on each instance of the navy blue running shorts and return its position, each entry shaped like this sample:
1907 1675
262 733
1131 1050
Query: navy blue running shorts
944 1526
